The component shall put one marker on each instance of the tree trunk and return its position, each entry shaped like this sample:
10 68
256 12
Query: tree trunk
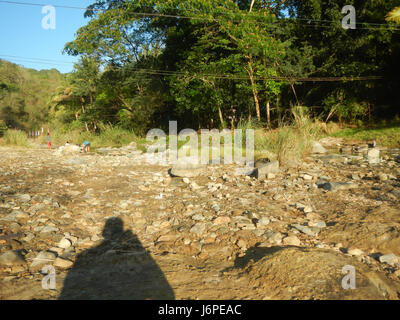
232 118
221 118
250 71
249 113
294 91
268 115
251 5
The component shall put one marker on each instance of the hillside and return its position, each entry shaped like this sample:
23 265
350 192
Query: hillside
25 94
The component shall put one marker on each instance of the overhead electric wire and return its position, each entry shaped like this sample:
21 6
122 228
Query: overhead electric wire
39 59
285 79
211 75
170 73
18 61
388 27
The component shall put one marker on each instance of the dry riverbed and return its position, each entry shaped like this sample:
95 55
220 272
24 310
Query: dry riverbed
115 227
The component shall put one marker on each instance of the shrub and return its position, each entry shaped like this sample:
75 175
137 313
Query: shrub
15 138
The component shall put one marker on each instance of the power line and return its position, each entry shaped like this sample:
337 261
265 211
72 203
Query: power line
17 61
39 59
310 22
216 76
278 79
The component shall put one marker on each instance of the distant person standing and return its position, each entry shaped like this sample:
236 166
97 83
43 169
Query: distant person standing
48 140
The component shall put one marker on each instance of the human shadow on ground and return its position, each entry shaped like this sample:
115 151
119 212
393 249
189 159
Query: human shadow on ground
119 268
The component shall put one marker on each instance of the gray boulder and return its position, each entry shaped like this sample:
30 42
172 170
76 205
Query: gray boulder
316 147
263 169
373 156
335 186
187 168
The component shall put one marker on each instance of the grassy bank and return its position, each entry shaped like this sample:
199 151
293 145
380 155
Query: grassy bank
385 135
290 142
15 138
108 137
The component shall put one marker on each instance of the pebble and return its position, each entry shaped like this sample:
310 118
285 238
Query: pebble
63 263
95 238
187 169
373 156
29 237
383 177
222 220
355 252
44 257
198 217
24 197
307 209
198 228
242 244
57 250
216 208
291 241
64 243
76 161
304 208
317 224
271 176
317 148
335 186
390 259
48 229
277 197
306 230
307 177
274 237
263 221
11 258
262 171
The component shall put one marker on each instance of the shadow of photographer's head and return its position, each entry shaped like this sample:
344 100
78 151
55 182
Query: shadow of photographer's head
113 228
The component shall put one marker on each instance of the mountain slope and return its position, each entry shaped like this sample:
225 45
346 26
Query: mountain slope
25 94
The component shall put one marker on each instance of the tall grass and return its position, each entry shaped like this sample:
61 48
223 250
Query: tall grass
108 136
15 138
291 140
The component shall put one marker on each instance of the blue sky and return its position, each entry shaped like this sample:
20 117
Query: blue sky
22 34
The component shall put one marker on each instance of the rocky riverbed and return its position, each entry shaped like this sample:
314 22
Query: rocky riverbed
114 226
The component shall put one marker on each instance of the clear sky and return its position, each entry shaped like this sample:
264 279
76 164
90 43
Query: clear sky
22 34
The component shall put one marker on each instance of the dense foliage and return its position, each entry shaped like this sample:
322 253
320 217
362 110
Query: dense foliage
212 63
25 95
